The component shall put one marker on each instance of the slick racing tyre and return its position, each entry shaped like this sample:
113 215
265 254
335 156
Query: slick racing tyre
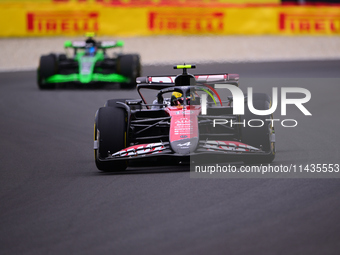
129 66
47 67
110 133
259 137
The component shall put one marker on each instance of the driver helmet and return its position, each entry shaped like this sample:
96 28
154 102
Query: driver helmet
177 98
91 50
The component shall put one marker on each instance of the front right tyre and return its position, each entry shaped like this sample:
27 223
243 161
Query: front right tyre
48 66
110 133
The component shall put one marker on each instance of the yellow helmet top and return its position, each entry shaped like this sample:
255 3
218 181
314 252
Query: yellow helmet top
176 94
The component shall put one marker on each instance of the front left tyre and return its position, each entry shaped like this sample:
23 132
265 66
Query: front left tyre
129 66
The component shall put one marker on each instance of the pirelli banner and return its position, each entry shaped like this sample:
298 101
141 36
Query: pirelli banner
50 19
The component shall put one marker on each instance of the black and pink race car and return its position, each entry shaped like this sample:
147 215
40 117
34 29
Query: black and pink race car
183 118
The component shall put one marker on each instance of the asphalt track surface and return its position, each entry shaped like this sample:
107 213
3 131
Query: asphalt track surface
53 200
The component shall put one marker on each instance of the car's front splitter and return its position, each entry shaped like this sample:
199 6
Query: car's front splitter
198 156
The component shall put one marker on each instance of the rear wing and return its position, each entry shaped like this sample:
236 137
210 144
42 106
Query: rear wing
100 45
200 79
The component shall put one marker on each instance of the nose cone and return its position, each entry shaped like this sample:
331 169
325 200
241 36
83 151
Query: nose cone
184 146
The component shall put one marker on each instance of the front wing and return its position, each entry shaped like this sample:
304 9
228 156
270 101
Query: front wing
96 77
223 150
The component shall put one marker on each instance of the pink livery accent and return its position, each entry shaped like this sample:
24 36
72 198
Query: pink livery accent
183 128
141 149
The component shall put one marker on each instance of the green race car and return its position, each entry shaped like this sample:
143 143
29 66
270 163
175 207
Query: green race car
89 64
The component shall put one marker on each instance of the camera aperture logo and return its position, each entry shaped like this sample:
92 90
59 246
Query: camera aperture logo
238 106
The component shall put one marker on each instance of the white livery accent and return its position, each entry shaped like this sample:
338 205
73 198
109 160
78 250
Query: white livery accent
108 43
228 146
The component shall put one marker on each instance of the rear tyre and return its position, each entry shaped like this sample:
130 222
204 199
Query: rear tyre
47 67
110 133
129 66
259 137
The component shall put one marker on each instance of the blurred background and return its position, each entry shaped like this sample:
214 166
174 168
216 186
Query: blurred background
54 201
174 31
